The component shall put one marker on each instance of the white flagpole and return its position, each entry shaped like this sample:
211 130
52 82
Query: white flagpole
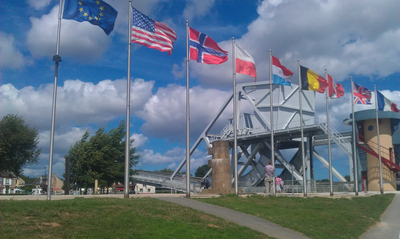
187 114
354 141
302 133
128 103
329 138
234 151
378 136
271 109
57 60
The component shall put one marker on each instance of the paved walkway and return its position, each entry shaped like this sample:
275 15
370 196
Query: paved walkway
255 223
389 227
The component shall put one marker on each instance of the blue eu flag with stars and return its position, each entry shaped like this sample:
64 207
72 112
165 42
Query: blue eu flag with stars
96 12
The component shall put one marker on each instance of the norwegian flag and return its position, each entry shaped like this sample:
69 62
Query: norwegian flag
204 49
361 94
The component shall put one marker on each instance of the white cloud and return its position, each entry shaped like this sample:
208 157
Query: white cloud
77 102
10 56
197 8
63 140
139 140
165 112
346 37
39 4
173 157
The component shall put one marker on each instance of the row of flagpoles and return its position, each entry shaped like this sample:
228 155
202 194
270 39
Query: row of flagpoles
203 49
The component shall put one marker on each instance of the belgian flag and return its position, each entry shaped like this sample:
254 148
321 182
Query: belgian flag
312 81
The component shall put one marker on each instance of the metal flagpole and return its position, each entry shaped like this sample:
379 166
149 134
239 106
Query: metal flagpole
329 139
187 114
354 141
235 118
378 136
271 109
302 133
128 103
57 60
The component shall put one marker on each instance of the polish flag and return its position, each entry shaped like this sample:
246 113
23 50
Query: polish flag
244 62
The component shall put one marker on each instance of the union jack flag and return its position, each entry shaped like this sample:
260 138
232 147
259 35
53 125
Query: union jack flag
361 94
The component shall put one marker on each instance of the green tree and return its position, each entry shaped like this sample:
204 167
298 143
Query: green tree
166 170
100 157
28 180
18 144
202 171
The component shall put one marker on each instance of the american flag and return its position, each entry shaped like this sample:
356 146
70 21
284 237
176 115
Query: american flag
361 95
150 33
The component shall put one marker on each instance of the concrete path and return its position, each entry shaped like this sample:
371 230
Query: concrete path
253 222
389 227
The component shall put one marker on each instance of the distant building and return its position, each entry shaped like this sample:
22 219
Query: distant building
8 182
42 181
144 189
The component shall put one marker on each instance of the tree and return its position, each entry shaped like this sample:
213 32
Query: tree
18 144
100 157
166 170
202 171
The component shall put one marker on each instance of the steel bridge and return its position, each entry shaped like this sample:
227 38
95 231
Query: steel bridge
254 131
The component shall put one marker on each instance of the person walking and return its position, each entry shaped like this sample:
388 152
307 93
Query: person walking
269 178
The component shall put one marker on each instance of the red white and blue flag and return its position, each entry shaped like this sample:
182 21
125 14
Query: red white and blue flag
384 104
280 74
152 34
361 95
203 49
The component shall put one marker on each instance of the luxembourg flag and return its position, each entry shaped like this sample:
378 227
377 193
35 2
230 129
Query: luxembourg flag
280 73
384 104
244 62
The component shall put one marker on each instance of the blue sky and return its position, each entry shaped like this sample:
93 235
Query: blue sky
350 38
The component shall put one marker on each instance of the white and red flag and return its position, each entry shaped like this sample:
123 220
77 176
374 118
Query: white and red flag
244 62
334 90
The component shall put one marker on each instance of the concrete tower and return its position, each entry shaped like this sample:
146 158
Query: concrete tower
367 147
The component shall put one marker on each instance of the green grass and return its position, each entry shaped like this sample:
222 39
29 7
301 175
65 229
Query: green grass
112 218
315 217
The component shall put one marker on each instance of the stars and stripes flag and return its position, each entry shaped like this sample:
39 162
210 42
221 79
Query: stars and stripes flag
361 95
152 34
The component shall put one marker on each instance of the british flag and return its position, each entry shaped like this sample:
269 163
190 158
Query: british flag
361 94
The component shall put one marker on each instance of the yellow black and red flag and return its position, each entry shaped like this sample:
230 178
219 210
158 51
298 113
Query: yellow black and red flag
312 81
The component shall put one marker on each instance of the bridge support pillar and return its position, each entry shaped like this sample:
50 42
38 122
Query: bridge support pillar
221 169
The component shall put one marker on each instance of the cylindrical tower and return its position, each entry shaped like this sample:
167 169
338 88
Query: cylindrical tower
389 144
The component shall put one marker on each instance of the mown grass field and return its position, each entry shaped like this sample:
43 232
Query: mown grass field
112 218
315 217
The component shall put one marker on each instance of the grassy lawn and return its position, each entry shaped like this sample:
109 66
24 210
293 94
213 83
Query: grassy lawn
315 217
112 218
